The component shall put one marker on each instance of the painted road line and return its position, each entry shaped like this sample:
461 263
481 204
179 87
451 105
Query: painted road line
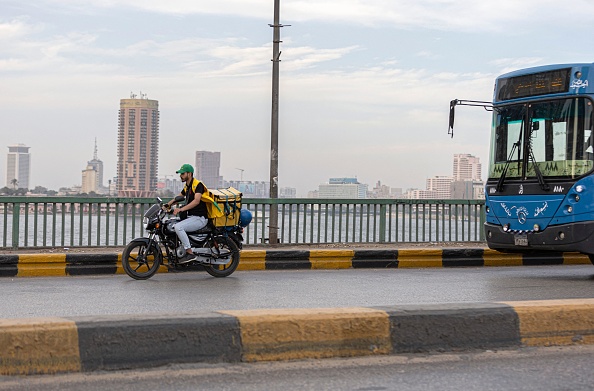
138 341
287 259
555 322
456 257
575 259
331 259
38 346
446 327
287 334
496 258
81 264
419 258
542 258
252 260
9 265
375 259
42 265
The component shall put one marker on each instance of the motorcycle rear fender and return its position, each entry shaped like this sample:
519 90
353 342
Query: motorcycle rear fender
236 237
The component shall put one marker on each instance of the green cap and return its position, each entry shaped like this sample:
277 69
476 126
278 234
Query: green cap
185 168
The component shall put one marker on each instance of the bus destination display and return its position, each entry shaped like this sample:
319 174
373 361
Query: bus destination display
541 83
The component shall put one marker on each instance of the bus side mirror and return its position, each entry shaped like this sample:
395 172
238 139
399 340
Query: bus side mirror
453 104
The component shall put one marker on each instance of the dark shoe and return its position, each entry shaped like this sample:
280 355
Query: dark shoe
187 258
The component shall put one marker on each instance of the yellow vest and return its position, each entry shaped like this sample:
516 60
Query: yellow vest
212 208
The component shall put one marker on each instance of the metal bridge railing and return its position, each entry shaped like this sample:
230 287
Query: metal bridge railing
29 222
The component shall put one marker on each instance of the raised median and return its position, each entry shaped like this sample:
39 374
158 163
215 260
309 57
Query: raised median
82 344
93 263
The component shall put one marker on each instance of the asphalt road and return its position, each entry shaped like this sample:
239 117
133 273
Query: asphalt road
191 292
538 369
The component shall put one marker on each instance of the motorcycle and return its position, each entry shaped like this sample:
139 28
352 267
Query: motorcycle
216 248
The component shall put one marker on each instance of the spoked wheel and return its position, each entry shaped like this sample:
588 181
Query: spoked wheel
228 252
141 262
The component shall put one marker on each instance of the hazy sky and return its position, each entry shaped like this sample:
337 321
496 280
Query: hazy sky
364 91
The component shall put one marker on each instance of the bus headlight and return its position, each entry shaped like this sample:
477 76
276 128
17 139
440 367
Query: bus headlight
580 188
506 227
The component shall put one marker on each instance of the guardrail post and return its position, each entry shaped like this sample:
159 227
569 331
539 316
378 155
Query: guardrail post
483 219
16 217
382 224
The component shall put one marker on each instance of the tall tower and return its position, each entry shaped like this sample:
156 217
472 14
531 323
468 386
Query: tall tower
18 166
138 147
94 182
207 168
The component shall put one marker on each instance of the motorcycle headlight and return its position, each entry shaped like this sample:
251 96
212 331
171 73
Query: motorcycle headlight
145 222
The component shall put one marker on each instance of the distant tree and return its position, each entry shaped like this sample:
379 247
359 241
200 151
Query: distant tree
39 190
51 193
21 191
14 182
6 191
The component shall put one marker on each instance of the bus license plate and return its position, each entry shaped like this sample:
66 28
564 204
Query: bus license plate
521 240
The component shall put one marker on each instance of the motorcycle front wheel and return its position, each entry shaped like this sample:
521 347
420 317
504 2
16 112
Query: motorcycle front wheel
227 248
141 262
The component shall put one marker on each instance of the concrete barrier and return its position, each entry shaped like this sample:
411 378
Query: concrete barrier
82 344
78 264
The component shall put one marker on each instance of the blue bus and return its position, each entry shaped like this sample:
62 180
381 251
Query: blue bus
539 194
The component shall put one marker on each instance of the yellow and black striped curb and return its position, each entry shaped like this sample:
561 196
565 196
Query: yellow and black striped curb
52 345
77 264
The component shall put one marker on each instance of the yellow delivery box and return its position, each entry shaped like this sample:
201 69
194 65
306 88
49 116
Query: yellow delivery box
229 201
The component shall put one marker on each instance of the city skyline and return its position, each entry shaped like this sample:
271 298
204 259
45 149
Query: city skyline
94 174
364 87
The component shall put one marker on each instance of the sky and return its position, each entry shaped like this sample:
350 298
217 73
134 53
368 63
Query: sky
365 85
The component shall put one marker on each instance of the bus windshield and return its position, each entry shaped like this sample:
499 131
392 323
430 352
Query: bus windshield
555 135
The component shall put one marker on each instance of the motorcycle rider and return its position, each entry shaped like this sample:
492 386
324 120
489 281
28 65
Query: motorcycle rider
196 211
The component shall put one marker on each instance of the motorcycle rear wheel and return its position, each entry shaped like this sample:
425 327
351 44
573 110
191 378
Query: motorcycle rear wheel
141 262
225 245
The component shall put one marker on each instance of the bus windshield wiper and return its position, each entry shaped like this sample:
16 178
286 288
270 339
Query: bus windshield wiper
515 146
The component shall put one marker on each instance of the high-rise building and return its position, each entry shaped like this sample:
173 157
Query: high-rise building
467 183
89 180
138 147
18 166
440 185
348 188
287 192
207 168
416 194
466 168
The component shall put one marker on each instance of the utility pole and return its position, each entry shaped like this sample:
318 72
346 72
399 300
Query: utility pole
273 222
